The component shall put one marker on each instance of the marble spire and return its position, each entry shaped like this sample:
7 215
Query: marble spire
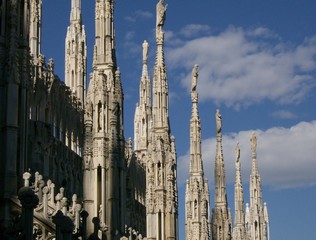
161 188
221 217
239 223
75 14
35 31
76 54
143 114
104 48
160 81
104 148
197 190
257 220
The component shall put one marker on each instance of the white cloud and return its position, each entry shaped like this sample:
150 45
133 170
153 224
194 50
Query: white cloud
263 33
286 156
241 67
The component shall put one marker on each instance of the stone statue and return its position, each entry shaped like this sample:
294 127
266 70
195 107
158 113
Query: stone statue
100 119
161 13
253 141
88 110
115 108
145 51
159 175
195 74
170 165
218 121
237 152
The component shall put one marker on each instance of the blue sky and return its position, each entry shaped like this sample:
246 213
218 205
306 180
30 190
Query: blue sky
257 64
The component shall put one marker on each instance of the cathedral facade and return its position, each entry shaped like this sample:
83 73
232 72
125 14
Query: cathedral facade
64 141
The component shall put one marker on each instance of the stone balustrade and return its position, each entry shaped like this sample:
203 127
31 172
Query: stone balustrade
54 209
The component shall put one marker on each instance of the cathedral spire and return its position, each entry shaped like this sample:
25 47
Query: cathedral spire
142 118
257 221
160 82
221 218
161 189
145 80
76 53
104 188
239 229
197 189
35 28
196 167
75 15
220 179
255 179
104 48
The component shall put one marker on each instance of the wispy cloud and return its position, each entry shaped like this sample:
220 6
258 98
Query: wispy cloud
286 156
240 67
144 14
132 49
283 114
139 14
192 30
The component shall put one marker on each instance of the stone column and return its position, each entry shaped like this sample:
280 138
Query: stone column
29 201
64 226
84 215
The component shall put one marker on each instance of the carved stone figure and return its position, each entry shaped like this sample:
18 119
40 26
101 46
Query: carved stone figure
161 13
195 74
159 175
253 141
237 152
145 51
218 121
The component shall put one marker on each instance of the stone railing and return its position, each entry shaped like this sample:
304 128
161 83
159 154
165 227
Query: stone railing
53 216
46 216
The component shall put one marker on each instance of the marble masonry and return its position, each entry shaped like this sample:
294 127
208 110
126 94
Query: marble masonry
67 171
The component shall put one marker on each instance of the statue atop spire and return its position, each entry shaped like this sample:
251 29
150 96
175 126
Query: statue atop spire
253 141
161 13
195 74
194 95
197 188
237 152
145 51
160 21
239 228
221 217
218 122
